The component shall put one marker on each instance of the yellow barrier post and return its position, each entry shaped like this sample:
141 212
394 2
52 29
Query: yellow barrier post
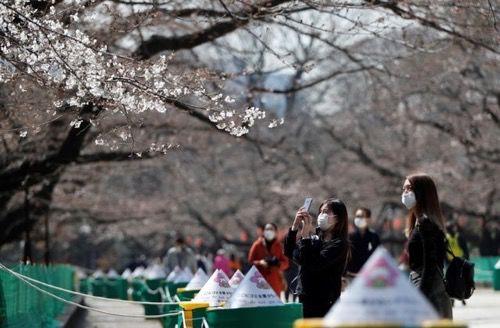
193 313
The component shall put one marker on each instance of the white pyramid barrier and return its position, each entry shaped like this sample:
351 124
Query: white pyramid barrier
98 274
253 291
381 294
199 279
127 273
224 274
155 271
174 274
188 273
113 274
185 275
138 272
216 291
236 279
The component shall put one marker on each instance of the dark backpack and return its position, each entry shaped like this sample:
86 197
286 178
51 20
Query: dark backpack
459 278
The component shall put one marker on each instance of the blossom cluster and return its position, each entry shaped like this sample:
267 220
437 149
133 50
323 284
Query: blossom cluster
61 56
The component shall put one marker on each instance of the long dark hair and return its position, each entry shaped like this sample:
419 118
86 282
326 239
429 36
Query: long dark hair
340 229
427 201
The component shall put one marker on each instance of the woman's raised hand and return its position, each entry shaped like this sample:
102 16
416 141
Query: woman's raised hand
297 220
307 228
302 216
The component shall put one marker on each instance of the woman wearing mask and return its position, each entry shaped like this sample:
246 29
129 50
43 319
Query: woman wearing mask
267 255
321 254
426 241
363 240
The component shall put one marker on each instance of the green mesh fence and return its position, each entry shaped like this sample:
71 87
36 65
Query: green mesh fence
150 309
23 306
483 269
105 287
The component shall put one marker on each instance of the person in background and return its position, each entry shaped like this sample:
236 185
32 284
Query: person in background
489 243
267 255
138 261
321 254
180 255
392 236
221 262
203 263
363 240
426 241
234 262
403 261
456 242
457 245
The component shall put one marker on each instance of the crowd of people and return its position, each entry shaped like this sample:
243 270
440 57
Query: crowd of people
318 256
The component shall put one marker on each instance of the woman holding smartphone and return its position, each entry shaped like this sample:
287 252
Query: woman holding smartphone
321 253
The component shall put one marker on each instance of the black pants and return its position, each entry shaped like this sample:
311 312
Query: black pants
314 308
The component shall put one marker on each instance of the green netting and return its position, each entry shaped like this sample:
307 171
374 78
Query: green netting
84 286
170 321
483 268
173 287
186 295
23 306
138 288
116 288
154 285
98 287
255 317
496 277
105 287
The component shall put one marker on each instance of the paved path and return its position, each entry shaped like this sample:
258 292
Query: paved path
92 319
482 309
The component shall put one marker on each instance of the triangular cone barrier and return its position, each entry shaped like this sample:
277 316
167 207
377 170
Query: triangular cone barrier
138 272
113 274
216 291
224 274
381 294
154 271
174 274
98 274
188 273
236 279
184 276
253 291
126 273
199 279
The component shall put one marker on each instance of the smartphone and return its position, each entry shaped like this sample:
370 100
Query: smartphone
307 203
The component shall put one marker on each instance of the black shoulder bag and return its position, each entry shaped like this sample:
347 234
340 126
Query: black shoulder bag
459 278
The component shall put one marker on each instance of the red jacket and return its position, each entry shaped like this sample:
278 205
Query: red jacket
272 273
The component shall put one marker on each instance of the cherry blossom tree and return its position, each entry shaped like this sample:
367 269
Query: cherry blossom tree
361 93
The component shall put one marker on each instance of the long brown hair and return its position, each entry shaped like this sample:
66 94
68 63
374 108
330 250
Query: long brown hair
427 201
340 229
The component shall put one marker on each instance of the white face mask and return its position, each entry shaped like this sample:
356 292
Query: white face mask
361 223
269 234
323 222
408 199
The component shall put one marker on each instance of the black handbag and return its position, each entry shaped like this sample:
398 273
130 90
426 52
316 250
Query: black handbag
459 278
